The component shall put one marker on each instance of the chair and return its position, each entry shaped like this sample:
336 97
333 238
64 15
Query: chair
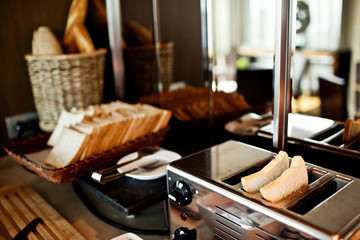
333 95
256 84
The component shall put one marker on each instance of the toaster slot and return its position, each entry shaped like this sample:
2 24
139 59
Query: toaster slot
314 174
332 135
236 179
319 195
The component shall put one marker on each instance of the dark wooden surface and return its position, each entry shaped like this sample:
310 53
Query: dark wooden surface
19 19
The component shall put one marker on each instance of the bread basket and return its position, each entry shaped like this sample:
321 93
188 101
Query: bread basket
65 81
140 64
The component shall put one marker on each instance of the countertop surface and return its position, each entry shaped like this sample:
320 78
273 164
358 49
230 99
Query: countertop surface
63 198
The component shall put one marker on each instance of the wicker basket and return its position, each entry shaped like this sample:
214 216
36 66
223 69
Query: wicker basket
141 68
65 81
19 150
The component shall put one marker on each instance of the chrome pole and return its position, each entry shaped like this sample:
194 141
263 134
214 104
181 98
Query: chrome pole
115 39
282 66
207 48
157 43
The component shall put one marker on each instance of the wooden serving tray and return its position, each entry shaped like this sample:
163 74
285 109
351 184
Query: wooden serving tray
32 151
20 204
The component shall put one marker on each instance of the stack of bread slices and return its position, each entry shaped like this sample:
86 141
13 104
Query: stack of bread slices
82 133
277 180
190 103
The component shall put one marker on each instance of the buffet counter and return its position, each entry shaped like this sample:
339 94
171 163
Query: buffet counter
63 198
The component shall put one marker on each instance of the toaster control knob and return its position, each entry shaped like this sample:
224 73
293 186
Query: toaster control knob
180 193
183 233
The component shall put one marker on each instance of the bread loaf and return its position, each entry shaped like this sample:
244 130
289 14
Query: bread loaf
294 179
44 42
252 183
142 35
76 16
82 39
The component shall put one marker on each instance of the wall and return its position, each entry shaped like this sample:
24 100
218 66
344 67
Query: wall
19 18
180 22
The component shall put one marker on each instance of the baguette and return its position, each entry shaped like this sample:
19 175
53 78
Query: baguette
294 179
82 39
142 35
76 16
252 183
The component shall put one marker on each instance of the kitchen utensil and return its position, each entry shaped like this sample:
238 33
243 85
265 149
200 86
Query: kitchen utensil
164 155
142 152
206 188
254 117
20 204
248 124
22 235
144 168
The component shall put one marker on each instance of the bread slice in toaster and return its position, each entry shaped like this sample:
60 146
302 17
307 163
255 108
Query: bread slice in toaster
351 130
252 183
292 180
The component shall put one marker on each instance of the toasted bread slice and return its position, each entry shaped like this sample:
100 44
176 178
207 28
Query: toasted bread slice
68 149
294 179
351 130
252 183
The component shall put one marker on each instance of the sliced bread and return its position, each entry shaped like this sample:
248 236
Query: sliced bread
65 120
252 183
292 180
68 149
351 130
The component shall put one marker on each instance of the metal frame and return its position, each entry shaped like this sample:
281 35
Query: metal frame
282 66
115 31
207 48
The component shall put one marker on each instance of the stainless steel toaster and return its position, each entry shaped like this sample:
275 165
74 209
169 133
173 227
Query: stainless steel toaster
206 199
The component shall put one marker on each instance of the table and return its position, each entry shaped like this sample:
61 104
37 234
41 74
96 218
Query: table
63 198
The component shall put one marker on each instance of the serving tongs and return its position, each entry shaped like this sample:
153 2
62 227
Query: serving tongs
105 173
142 168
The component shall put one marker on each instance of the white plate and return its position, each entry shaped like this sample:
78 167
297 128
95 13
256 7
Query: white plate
302 126
163 155
127 236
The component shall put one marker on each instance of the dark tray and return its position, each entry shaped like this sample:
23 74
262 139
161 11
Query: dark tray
126 194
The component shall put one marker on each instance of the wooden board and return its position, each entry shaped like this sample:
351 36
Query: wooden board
20 204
